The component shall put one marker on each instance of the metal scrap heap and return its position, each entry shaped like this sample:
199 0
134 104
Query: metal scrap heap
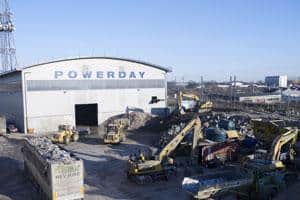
49 151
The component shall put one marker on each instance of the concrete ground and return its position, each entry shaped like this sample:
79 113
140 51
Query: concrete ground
105 171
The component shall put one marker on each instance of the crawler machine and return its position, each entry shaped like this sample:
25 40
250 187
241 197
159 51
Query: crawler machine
144 171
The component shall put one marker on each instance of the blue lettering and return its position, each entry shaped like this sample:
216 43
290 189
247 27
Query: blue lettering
122 74
87 74
110 74
57 74
142 74
72 74
132 75
99 74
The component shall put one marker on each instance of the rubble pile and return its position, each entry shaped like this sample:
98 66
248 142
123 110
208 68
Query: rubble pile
138 120
214 126
49 151
170 134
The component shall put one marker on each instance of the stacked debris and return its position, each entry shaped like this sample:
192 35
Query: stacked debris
170 134
138 120
49 151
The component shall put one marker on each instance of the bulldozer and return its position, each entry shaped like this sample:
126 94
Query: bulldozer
114 133
65 135
143 171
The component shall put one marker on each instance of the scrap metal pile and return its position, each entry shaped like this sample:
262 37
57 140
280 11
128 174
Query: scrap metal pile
170 134
214 126
49 151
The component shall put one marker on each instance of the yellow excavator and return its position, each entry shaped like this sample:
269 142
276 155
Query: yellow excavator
144 171
65 135
189 102
114 133
281 151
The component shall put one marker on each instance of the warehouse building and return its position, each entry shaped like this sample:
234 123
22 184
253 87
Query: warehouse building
80 91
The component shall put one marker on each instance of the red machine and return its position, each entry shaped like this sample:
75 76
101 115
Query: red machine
218 153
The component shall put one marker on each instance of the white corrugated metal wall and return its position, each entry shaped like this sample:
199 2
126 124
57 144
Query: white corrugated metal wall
52 90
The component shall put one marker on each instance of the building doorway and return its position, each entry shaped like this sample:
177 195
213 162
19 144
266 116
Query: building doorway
86 114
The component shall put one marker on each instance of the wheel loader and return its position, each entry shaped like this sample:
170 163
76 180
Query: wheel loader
65 135
114 133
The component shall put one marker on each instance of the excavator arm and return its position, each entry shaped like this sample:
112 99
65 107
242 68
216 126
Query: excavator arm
290 136
181 95
171 146
204 107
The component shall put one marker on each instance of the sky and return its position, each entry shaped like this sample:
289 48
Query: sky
209 38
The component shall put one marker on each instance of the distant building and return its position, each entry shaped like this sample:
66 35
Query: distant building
276 81
261 99
177 84
290 95
237 84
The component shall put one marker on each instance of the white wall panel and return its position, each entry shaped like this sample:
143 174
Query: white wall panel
47 108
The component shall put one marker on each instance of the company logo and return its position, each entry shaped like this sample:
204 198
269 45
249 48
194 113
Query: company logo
72 74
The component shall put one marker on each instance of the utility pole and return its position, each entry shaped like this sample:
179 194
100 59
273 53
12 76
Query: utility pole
202 87
7 49
230 90
234 90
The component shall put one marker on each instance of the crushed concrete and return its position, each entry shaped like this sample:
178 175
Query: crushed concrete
49 151
138 120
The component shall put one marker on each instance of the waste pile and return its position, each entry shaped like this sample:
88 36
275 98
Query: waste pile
215 127
215 134
170 134
49 151
138 120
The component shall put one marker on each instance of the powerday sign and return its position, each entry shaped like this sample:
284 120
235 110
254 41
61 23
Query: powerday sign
89 74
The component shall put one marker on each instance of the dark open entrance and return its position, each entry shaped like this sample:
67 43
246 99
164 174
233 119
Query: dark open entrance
86 114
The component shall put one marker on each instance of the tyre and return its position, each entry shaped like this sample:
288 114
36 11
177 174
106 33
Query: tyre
123 139
75 137
67 140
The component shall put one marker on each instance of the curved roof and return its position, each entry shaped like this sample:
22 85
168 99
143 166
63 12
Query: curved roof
112 58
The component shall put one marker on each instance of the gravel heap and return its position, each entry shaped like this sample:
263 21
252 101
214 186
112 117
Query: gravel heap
138 120
49 151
